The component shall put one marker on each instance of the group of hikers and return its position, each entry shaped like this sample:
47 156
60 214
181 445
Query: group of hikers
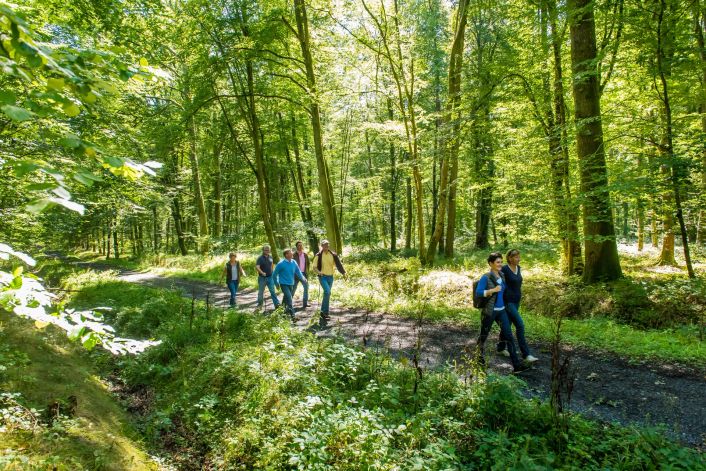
496 294
292 270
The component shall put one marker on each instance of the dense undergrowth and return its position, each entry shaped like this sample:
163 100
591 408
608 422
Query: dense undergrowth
651 313
231 390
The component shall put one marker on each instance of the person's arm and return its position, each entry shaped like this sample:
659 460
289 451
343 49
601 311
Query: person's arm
298 273
316 265
482 288
240 267
275 274
259 270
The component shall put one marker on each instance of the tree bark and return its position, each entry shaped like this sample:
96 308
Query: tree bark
198 192
699 33
665 48
325 186
452 121
601 259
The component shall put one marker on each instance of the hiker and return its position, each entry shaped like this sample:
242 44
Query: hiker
512 297
232 273
492 286
284 275
302 260
325 262
263 265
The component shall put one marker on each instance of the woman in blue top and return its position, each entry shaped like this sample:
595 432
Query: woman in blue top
492 286
513 295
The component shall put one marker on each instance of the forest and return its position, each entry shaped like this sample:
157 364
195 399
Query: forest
145 143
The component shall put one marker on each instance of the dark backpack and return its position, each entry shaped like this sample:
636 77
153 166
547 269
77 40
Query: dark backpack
479 302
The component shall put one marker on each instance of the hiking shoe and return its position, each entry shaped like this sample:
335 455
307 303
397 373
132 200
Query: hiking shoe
504 353
531 359
324 315
520 368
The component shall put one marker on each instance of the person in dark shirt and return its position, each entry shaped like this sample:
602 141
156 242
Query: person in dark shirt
513 295
492 285
263 265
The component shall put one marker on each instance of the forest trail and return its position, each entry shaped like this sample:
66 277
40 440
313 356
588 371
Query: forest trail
606 387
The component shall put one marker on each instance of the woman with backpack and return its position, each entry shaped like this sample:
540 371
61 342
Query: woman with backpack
488 296
512 297
232 273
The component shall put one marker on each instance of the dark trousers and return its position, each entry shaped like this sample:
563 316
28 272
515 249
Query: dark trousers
513 315
486 323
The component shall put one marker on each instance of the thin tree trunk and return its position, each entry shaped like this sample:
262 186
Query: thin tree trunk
325 185
665 48
408 216
178 226
447 185
601 261
198 192
393 186
700 32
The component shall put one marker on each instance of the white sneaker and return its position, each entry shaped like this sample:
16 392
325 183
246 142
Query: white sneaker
531 359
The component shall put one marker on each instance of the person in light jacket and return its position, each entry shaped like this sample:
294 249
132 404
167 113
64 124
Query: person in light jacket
284 275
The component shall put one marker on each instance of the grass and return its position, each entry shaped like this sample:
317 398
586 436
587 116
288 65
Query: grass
251 392
381 282
43 366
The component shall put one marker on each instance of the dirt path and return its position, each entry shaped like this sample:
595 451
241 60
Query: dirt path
606 387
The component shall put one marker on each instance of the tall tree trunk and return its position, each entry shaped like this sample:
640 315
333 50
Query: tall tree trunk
601 260
665 48
408 216
700 32
556 128
452 121
325 186
178 225
393 186
217 190
198 193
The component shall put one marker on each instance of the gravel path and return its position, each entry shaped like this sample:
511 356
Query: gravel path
606 387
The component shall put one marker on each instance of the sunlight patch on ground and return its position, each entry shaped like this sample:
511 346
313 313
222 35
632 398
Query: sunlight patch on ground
446 281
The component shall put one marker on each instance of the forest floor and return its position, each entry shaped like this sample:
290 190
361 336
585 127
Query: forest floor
606 387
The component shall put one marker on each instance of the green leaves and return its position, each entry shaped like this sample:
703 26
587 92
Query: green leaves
16 113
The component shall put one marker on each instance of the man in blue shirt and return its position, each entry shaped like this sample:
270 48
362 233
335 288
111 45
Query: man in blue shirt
263 265
284 275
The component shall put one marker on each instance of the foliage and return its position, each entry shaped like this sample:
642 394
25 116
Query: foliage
252 392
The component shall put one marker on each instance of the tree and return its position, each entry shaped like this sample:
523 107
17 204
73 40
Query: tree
600 247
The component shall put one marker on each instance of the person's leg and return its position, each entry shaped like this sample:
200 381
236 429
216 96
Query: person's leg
232 286
486 323
261 281
305 299
506 335
287 298
326 282
513 315
273 293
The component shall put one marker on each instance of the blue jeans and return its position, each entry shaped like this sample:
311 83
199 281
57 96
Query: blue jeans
287 294
305 301
233 287
513 315
261 282
486 323
326 282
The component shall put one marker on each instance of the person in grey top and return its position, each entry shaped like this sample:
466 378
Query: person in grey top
263 265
